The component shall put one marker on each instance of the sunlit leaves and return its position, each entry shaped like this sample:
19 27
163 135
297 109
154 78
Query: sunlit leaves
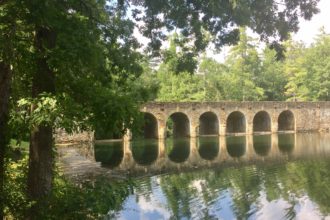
271 19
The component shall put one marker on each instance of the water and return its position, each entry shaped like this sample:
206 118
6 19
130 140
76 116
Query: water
285 176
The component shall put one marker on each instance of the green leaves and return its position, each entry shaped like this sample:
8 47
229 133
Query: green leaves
180 87
43 110
308 70
271 19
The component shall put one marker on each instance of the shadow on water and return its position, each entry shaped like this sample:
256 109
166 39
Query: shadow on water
286 143
109 154
178 149
236 146
145 152
262 144
208 147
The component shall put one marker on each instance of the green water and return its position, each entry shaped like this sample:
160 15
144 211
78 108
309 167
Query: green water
285 176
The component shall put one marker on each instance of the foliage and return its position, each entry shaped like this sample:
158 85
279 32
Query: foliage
76 62
15 200
249 75
195 20
88 200
182 87
308 70
179 57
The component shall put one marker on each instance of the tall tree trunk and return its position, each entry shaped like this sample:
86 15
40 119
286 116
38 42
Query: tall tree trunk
5 80
40 172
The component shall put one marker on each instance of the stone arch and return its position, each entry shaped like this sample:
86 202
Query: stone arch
236 122
286 121
261 122
178 125
150 128
208 124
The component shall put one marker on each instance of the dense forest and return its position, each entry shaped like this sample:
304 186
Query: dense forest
250 72
76 65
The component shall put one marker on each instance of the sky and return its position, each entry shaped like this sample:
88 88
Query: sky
309 29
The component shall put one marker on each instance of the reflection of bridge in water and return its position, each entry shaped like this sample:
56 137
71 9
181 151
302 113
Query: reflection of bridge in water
163 155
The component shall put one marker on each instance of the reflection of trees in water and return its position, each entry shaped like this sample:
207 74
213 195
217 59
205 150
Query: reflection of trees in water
245 187
178 194
262 144
208 147
290 182
178 150
236 146
286 143
110 154
145 152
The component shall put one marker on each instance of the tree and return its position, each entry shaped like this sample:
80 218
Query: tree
318 68
272 20
179 57
295 88
182 87
77 68
271 77
244 65
13 40
215 79
76 49
308 70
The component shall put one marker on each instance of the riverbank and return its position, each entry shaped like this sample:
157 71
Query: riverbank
77 166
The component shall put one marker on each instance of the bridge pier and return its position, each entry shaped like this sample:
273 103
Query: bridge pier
274 127
127 136
194 128
249 128
222 129
161 130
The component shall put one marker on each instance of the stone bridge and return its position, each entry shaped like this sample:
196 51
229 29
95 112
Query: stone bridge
191 119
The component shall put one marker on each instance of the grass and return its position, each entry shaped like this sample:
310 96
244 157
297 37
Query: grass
18 149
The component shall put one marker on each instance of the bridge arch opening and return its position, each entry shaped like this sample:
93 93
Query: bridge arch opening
286 121
208 124
261 122
178 125
236 122
150 128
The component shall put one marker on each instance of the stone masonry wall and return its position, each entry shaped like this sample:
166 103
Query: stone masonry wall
309 116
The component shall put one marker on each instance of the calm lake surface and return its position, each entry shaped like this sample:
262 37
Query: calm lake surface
284 176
